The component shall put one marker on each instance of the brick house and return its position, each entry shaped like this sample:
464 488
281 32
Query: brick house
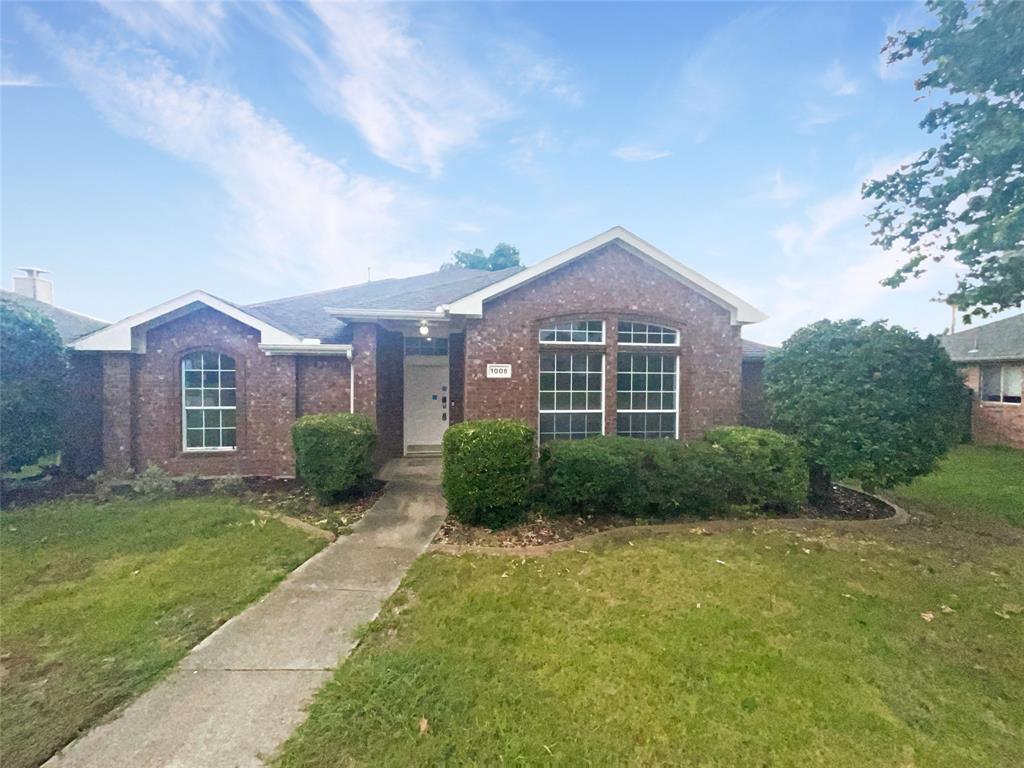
611 336
992 359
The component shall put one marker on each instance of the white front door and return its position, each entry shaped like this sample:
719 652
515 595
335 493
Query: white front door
426 401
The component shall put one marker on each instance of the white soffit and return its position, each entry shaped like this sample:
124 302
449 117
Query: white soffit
741 311
119 336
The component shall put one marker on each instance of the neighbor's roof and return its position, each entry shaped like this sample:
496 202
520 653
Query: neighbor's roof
306 316
70 325
1001 340
753 350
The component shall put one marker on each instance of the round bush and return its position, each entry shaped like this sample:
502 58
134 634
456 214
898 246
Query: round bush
334 453
761 468
487 466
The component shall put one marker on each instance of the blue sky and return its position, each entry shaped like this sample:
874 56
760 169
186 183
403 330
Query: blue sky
258 151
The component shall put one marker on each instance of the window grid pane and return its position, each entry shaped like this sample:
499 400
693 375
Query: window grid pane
418 345
646 333
208 401
573 332
571 395
646 395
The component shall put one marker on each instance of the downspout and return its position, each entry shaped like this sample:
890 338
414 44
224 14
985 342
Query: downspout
351 383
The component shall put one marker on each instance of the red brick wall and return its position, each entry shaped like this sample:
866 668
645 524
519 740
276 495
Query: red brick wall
456 376
266 395
390 394
752 395
82 432
323 384
994 423
605 285
118 405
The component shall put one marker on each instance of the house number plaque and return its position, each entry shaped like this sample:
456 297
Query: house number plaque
499 370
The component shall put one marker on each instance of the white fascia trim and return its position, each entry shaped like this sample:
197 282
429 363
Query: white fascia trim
307 349
741 311
386 314
118 337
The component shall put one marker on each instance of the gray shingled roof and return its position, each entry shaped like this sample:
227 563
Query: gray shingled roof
70 325
755 351
1001 340
305 315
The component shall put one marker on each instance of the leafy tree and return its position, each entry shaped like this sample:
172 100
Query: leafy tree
868 402
963 199
33 369
502 257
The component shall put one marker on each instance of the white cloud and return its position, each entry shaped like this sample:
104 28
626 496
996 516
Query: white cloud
531 72
12 78
639 153
413 102
173 22
836 81
292 211
777 188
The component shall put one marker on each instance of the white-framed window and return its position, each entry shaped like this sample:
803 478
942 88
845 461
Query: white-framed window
572 332
571 400
208 402
647 395
1001 383
647 334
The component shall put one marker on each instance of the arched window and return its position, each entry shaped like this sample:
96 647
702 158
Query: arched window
208 402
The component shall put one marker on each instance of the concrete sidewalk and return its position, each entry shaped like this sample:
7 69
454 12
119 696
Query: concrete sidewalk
243 690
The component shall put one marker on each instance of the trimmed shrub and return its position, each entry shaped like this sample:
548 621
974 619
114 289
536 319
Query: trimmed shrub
594 476
684 479
487 468
762 468
333 453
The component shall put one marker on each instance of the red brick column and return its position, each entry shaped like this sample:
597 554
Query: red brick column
117 412
364 368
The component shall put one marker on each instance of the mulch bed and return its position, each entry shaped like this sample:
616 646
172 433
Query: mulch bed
291 498
848 504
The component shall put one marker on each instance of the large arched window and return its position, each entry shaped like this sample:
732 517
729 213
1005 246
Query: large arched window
208 402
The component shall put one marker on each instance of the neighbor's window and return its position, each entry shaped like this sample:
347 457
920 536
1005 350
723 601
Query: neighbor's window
571 395
647 395
645 333
573 332
1001 383
208 401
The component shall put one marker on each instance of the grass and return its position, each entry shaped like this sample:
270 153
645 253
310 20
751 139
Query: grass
99 600
975 481
755 647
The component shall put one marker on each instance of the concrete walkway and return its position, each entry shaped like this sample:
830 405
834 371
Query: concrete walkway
243 690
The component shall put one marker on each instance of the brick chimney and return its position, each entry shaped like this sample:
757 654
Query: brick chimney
33 285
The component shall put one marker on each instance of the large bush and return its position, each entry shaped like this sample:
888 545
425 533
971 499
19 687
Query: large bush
33 371
868 402
765 469
334 452
487 468
596 475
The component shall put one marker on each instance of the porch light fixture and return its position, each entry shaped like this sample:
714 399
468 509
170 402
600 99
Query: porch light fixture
424 328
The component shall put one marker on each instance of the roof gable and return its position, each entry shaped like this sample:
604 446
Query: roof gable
740 311
126 335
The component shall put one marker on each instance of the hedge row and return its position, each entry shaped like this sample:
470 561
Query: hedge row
488 471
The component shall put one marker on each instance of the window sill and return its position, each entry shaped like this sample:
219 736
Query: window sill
996 404
207 451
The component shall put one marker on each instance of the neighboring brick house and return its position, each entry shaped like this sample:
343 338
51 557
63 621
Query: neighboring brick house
611 336
752 410
992 359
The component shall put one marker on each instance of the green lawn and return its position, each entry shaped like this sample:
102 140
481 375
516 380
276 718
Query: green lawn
972 480
750 648
97 601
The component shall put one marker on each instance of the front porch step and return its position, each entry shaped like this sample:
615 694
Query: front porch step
423 450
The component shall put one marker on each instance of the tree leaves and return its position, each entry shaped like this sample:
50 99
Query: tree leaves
963 199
